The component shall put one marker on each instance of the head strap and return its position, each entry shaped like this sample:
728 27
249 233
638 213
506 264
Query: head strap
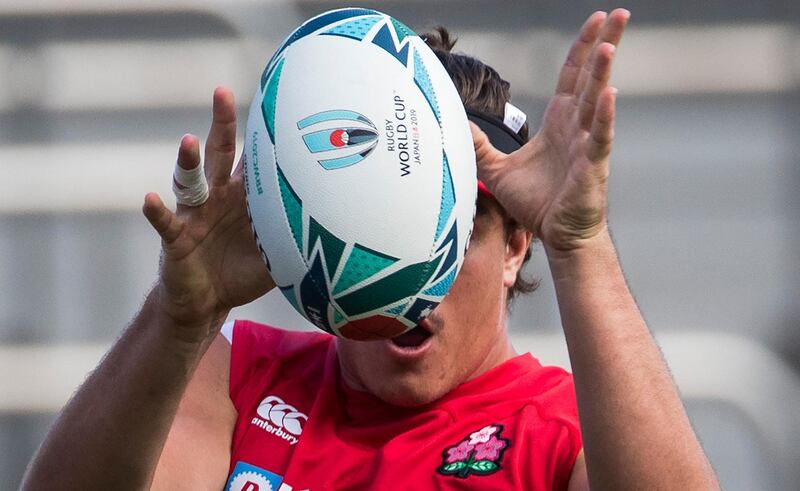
500 135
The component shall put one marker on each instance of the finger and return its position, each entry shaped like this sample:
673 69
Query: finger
614 27
612 31
189 152
579 53
166 223
486 156
221 143
188 181
601 136
601 73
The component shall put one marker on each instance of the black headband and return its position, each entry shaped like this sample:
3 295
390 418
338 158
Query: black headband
499 134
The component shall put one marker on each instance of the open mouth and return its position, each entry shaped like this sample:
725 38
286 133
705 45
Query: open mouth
413 338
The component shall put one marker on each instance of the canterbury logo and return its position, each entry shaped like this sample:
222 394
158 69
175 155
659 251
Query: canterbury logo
342 138
280 419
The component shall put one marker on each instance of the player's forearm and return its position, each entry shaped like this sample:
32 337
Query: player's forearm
110 435
636 432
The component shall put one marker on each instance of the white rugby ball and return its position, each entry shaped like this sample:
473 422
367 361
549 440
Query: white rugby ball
360 174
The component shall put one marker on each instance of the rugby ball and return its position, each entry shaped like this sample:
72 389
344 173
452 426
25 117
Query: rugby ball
360 174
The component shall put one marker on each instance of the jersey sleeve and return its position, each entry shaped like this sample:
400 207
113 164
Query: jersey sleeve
259 352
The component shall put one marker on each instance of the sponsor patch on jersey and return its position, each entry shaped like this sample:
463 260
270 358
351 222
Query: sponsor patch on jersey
479 454
247 477
280 419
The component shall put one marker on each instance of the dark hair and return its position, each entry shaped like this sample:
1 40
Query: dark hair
481 89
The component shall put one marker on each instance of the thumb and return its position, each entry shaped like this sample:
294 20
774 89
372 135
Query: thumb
488 158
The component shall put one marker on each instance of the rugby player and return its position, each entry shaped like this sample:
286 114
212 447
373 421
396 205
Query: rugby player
186 400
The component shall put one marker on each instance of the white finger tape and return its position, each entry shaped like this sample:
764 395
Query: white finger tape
190 186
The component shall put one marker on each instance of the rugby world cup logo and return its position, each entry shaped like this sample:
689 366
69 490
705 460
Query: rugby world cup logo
338 138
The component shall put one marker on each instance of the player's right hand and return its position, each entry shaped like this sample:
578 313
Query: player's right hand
210 262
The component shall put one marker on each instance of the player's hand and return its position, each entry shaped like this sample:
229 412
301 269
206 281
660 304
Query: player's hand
555 185
210 262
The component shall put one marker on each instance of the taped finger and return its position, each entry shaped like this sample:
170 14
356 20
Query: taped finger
190 186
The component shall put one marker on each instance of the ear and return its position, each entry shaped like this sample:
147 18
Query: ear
517 245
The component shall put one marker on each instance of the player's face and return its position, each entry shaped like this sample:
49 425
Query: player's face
462 338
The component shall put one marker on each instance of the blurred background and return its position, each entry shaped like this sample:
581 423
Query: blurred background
705 208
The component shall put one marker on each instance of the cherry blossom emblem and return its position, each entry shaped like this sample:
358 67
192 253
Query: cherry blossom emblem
480 453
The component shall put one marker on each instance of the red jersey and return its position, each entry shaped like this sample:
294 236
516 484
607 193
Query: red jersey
301 427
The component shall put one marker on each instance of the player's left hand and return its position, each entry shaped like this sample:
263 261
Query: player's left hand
555 184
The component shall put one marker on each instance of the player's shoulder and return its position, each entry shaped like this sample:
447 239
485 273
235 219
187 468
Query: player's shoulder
524 381
520 389
538 399
254 344
552 392
270 341
260 355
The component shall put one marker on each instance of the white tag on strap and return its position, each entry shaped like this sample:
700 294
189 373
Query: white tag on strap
514 117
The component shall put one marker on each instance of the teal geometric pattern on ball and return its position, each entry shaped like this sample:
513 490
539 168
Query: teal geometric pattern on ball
449 247
385 40
423 81
324 20
397 310
388 289
402 30
441 288
332 246
362 263
356 28
270 100
317 24
448 197
293 208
